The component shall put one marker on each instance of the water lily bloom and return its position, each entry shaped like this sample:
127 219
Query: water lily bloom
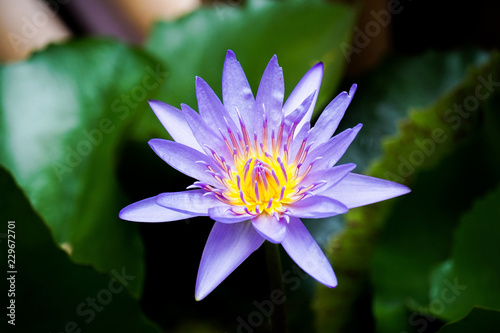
259 168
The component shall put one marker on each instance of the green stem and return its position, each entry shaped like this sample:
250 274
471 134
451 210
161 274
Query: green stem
278 316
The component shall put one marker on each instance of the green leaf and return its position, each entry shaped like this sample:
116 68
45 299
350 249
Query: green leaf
471 276
49 292
62 115
423 141
400 85
438 152
299 33
478 320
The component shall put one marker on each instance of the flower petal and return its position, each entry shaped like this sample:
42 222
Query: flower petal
316 207
270 227
331 151
174 122
299 113
271 92
204 134
310 82
224 214
228 245
184 159
330 118
148 211
211 109
236 91
358 190
331 176
303 249
192 202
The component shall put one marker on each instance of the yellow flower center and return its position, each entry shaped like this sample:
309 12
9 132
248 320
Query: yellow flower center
264 180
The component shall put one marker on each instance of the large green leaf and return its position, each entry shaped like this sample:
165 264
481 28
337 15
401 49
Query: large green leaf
470 278
478 320
386 95
438 151
299 33
49 292
62 114
384 98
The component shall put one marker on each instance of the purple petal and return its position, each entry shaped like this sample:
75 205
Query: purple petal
330 118
228 245
358 190
332 151
148 211
236 92
193 202
174 122
224 214
211 109
184 159
310 82
298 137
270 227
306 253
332 176
316 207
298 114
271 92
205 134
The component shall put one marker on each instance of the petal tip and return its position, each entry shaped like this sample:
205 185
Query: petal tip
352 91
199 296
319 66
123 214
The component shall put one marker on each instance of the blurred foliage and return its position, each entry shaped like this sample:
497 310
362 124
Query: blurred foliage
473 269
445 148
402 263
53 294
63 115
478 320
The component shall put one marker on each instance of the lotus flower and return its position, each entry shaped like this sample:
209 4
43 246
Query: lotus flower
259 168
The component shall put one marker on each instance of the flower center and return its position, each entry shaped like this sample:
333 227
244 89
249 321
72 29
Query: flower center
264 180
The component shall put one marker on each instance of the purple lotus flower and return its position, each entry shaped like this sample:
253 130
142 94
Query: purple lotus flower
259 168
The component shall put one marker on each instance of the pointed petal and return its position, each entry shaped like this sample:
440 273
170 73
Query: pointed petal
299 113
211 109
236 91
331 176
192 202
270 228
310 82
224 214
303 249
204 134
271 92
148 211
174 122
358 190
228 245
330 118
184 159
297 139
316 207
334 149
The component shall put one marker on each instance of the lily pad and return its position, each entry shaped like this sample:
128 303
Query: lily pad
470 277
424 140
46 291
62 115
478 320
